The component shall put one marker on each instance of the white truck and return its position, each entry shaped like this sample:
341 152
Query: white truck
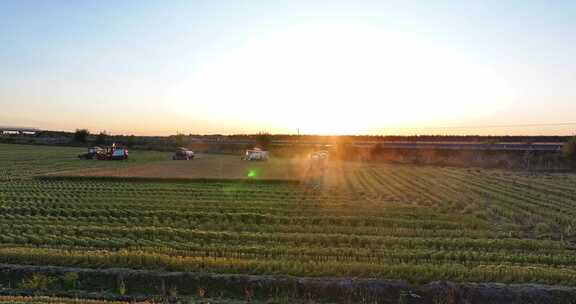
255 154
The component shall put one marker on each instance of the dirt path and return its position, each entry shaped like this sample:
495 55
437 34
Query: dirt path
205 166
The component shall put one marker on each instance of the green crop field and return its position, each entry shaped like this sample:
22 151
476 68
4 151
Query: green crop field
355 220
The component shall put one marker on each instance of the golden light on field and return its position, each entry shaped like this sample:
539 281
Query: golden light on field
338 80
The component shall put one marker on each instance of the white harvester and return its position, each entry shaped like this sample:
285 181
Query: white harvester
255 154
320 156
318 159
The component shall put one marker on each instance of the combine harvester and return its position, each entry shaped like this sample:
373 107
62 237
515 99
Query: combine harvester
319 156
318 159
183 154
255 154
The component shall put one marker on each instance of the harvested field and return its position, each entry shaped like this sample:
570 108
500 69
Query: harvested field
206 166
363 220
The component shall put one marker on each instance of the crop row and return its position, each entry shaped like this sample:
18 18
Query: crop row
124 237
411 272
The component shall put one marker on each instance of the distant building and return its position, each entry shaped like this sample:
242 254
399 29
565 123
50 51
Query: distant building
18 130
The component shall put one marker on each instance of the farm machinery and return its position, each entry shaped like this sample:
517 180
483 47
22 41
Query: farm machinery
113 152
183 154
91 154
318 159
255 154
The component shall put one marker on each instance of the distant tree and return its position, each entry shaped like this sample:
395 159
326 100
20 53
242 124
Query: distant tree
180 140
81 135
263 140
101 138
569 152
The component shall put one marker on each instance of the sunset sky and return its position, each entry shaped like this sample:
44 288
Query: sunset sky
323 67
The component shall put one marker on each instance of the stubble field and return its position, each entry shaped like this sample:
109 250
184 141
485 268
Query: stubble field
367 220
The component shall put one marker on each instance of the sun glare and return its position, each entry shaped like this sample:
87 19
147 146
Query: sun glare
339 80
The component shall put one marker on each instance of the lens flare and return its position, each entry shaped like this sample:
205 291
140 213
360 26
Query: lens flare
251 173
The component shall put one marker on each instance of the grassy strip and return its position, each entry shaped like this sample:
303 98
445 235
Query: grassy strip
415 273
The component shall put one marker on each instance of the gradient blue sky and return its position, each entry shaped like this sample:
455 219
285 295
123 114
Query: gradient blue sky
377 67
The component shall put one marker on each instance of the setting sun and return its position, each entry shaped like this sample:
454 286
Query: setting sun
377 68
339 79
